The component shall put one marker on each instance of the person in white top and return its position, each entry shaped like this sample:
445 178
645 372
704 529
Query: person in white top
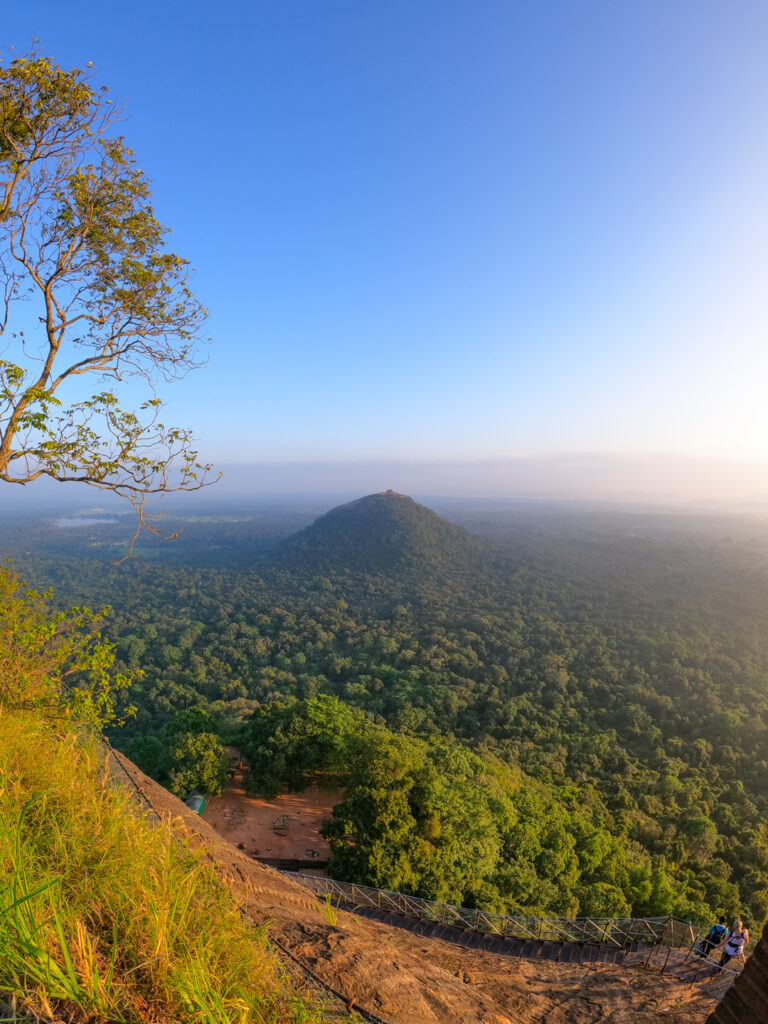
735 943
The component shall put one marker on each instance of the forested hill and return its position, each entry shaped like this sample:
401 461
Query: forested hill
381 533
620 661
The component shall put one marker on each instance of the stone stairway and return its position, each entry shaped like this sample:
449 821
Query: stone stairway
689 969
676 964
527 949
665 949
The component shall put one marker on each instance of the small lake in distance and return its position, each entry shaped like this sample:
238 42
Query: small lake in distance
75 521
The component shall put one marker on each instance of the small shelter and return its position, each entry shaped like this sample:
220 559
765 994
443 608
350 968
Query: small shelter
196 801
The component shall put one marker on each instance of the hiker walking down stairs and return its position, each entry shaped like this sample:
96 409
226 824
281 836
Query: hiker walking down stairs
713 938
737 940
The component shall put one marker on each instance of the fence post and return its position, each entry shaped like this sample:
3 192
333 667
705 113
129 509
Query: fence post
698 971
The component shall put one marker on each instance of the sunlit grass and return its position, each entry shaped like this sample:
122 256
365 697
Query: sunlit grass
102 915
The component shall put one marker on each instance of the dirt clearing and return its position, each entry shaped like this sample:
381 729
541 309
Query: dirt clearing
286 828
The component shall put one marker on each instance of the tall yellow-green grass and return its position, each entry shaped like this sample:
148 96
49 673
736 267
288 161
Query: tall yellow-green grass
103 917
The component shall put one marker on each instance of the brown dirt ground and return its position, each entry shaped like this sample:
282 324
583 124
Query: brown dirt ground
409 979
249 820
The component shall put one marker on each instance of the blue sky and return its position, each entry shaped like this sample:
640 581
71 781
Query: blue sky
442 231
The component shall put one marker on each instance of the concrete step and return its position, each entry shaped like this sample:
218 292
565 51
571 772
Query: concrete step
496 944
551 950
421 927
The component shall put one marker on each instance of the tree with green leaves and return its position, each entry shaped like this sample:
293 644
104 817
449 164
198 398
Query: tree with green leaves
287 742
198 761
88 291
55 664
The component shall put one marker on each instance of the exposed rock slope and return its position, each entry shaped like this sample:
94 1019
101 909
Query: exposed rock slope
412 980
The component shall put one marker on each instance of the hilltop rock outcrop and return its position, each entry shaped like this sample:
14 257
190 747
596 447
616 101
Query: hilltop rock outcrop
386 532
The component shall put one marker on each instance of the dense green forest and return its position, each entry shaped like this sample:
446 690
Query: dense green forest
565 712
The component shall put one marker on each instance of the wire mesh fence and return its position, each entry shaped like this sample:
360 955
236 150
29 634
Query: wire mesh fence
697 964
615 931
668 939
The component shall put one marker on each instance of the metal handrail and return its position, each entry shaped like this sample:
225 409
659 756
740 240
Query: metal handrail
672 933
616 932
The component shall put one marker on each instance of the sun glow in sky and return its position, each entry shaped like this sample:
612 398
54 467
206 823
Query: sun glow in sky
433 230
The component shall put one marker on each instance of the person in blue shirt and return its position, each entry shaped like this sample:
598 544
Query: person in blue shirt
713 938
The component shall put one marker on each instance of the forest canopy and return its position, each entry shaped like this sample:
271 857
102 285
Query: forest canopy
610 671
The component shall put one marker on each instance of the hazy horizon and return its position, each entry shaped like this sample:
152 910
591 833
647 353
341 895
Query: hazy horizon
652 480
569 476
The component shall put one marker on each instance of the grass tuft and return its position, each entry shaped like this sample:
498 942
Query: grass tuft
103 917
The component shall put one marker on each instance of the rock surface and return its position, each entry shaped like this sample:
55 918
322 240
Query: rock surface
410 979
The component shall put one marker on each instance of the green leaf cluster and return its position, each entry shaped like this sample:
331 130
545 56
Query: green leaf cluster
55 663
434 819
